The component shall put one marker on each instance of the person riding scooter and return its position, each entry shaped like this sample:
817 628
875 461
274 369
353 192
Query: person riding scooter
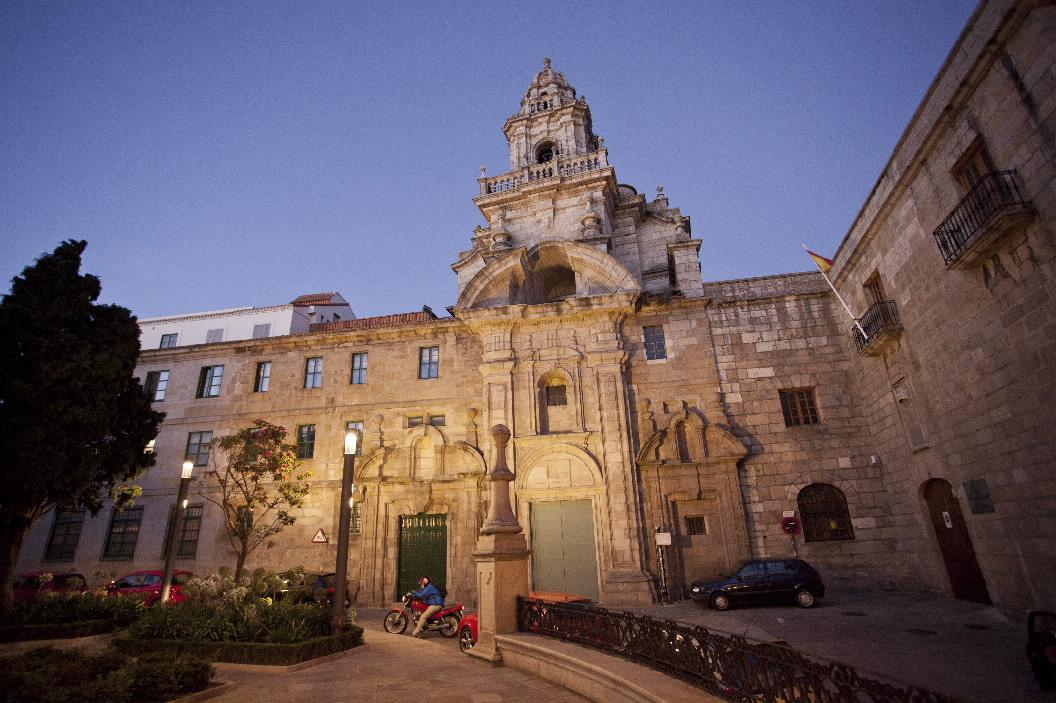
430 595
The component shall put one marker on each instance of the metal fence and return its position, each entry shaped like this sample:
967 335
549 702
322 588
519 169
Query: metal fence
725 665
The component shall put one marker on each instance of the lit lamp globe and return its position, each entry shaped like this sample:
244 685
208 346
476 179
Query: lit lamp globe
351 442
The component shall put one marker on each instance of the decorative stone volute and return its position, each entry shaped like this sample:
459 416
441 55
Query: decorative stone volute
501 519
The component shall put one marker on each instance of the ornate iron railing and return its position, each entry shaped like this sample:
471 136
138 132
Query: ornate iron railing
993 193
881 317
725 665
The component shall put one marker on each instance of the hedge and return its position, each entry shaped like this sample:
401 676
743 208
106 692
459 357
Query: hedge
24 633
268 653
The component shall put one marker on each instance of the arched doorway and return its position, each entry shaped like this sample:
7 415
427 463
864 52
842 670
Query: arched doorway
955 543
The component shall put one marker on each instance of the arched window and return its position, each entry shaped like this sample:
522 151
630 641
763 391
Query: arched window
555 412
823 509
545 152
682 442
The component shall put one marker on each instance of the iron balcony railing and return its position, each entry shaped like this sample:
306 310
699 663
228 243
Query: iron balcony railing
880 318
992 194
725 665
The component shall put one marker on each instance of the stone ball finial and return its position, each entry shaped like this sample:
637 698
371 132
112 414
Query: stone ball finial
501 434
660 191
483 170
546 63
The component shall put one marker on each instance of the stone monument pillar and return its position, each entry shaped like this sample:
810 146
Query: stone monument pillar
502 558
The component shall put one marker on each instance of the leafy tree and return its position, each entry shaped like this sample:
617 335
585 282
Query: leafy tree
257 486
74 421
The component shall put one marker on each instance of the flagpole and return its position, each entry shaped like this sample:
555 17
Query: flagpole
839 297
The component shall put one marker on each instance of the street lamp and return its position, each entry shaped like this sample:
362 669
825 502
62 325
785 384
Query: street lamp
177 530
337 622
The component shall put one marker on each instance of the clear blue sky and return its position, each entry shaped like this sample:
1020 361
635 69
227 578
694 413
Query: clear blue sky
219 154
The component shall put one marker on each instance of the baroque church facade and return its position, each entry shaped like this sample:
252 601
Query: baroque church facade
650 407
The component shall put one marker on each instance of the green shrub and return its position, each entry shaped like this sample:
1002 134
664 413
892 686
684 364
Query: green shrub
47 675
258 620
72 608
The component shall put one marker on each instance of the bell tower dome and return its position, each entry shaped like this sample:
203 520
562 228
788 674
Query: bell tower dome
551 123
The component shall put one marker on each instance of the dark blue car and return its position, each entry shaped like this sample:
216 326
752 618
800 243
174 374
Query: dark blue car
763 581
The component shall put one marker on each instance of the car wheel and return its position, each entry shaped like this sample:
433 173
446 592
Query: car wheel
804 598
396 623
450 626
720 601
466 640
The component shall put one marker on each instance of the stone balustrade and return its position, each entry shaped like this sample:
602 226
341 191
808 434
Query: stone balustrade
561 167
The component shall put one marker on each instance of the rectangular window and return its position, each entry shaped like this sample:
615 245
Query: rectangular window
313 372
157 383
355 525
262 377
198 444
429 362
799 407
305 441
556 396
214 336
696 525
654 343
261 331
209 380
359 368
192 526
437 420
356 425
973 165
874 289
168 341
65 533
414 421
123 534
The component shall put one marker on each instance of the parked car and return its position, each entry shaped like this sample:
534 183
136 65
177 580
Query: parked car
1041 647
323 590
30 585
297 586
763 581
467 632
147 585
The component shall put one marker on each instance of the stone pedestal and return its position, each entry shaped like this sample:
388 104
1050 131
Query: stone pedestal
502 575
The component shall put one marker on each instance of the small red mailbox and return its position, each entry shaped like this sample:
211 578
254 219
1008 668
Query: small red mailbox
790 525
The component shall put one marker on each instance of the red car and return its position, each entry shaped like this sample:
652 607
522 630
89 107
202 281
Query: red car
147 585
467 632
30 585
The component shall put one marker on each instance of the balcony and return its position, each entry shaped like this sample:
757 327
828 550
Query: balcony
993 208
882 327
561 167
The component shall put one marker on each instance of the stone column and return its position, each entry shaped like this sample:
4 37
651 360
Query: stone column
502 558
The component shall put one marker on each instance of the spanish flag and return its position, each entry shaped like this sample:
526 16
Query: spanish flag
823 263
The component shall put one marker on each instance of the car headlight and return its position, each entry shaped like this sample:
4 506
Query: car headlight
695 589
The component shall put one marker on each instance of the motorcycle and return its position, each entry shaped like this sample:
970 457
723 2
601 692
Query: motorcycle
445 621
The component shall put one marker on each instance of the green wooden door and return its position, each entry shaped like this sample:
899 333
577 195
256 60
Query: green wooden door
563 553
423 551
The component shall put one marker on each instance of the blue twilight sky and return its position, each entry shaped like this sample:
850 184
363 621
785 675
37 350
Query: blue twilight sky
221 154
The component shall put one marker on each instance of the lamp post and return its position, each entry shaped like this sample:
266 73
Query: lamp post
337 622
177 529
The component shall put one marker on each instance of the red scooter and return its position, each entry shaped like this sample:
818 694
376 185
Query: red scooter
445 621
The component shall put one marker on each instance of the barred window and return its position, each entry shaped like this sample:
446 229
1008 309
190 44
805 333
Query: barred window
156 385
313 372
188 540
198 447
359 368
305 441
696 525
123 534
355 524
799 407
823 509
209 381
654 343
429 362
65 533
556 396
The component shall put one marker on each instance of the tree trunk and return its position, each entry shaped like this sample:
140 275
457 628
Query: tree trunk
13 529
240 565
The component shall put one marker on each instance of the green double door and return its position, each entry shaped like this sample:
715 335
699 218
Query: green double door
423 551
563 553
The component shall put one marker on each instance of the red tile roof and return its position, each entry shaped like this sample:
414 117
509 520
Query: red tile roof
370 323
314 299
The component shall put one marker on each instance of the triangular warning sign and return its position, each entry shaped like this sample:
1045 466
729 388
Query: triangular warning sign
320 537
